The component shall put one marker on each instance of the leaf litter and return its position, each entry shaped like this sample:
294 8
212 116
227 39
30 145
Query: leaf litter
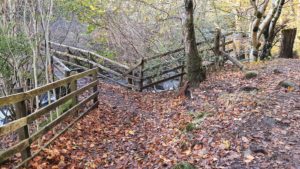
237 129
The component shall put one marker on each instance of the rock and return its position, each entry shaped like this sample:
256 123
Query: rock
184 165
251 74
277 71
258 149
168 85
248 88
288 84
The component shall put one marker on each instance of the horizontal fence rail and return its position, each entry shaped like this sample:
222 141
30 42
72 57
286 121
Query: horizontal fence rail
110 70
148 72
154 70
89 53
21 125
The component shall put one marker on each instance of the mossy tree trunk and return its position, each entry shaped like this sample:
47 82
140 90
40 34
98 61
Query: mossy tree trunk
195 71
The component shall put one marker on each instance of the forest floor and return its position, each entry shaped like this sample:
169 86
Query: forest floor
222 126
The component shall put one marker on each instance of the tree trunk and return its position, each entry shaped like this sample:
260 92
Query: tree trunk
267 45
298 28
195 71
287 43
270 33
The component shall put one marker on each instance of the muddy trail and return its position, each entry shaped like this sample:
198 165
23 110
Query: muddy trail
224 125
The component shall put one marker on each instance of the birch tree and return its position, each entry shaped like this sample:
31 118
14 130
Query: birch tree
264 25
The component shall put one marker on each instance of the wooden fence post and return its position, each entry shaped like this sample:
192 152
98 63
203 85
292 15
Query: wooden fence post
73 87
129 80
23 132
217 42
217 51
95 89
67 74
223 43
90 65
52 76
182 76
141 75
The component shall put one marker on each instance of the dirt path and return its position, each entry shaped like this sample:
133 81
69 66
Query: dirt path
222 127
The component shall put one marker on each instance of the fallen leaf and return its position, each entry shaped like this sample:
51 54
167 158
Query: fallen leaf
131 132
249 158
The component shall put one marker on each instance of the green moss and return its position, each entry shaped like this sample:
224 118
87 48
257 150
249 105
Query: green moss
251 74
108 54
184 165
288 84
190 127
199 115
66 106
63 108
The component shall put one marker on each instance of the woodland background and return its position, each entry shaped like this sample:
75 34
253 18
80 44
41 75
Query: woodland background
121 30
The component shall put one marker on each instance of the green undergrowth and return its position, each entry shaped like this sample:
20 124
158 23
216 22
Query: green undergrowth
184 165
198 118
63 108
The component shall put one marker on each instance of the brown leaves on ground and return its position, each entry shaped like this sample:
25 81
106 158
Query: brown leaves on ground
222 127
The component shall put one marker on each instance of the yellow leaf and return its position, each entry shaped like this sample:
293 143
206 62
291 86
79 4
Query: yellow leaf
131 132
226 144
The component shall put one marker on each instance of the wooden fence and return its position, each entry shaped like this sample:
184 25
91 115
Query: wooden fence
21 125
152 70
149 71
109 69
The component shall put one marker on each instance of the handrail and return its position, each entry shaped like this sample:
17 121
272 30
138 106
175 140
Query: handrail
16 124
87 61
182 48
21 125
15 98
91 53
217 43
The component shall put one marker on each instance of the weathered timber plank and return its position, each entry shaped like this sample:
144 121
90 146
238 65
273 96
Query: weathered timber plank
25 143
23 132
182 48
164 72
91 53
57 60
88 61
163 80
25 162
163 64
113 80
227 34
73 64
13 150
132 77
175 51
14 125
40 90
134 67
233 60
212 48
59 69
